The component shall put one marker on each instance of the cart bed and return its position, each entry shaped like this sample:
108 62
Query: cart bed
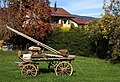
49 57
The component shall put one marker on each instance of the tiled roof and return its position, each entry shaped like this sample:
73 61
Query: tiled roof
63 13
79 21
60 13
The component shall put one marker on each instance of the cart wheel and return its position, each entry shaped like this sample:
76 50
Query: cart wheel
29 70
64 68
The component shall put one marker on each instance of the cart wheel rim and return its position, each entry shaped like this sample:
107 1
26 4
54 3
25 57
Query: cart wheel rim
29 70
64 68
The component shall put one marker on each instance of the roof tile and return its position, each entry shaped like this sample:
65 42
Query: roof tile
61 13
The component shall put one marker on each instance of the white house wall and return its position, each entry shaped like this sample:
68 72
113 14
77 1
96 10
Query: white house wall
74 23
62 21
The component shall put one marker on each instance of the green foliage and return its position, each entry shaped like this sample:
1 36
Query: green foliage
75 41
105 34
114 39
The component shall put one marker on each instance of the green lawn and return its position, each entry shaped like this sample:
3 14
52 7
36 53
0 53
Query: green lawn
85 70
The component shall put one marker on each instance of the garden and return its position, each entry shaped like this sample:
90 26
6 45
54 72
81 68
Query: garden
96 46
85 70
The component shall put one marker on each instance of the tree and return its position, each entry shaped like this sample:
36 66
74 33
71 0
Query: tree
4 33
30 17
105 32
114 36
112 7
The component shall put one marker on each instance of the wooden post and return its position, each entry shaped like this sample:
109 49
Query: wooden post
1 44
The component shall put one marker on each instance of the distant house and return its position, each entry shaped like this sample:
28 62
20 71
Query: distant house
60 18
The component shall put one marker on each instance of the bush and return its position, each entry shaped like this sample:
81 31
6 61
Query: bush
4 33
105 36
75 41
65 28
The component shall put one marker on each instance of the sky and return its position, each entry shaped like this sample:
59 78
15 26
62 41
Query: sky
92 8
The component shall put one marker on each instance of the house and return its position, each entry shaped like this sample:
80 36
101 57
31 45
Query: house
78 22
61 18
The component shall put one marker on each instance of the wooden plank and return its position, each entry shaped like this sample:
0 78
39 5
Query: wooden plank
49 58
52 59
51 55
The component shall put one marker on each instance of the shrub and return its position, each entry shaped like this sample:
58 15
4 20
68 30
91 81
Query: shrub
65 28
4 33
105 32
75 41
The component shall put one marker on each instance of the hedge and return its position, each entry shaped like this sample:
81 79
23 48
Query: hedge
76 41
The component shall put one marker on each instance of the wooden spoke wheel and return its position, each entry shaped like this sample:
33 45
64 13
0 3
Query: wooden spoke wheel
29 69
64 68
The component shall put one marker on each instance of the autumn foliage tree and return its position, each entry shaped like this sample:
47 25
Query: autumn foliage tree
3 31
105 32
30 17
114 36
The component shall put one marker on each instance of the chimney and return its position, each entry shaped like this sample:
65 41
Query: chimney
55 6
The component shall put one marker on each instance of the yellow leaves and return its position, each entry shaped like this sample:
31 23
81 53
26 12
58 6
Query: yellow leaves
106 37
102 27
104 32
65 27
110 42
111 22
109 16
87 28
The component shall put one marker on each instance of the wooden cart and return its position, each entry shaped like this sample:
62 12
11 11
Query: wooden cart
60 60
61 65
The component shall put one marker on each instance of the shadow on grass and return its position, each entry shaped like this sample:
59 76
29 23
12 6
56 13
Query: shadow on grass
45 70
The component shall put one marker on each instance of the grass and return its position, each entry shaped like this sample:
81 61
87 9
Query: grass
85 70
